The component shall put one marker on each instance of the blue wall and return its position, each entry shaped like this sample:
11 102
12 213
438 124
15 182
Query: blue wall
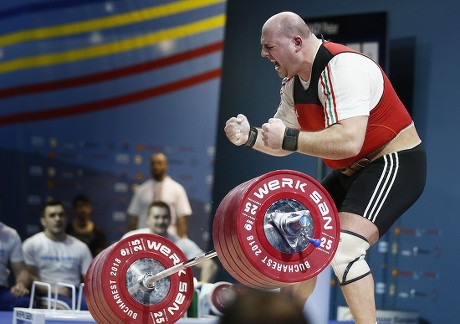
420 263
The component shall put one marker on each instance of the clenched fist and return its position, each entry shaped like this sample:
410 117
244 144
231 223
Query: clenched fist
273 133
237 129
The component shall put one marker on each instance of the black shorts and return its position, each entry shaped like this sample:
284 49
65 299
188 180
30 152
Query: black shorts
383 190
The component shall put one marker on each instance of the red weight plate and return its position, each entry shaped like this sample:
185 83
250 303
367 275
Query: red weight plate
265 191
127 262
255 246
229 229
103 309
230 268
220 244
106 307
230 234
89 293
237 263
221 296
235 257
218 241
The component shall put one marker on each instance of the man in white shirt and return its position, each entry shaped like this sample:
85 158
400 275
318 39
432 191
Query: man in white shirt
160 187
158 221
53 256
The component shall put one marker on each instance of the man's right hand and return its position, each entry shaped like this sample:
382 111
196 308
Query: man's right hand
19 290
237 129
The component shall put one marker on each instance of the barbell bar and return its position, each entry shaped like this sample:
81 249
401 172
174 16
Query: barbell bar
150 279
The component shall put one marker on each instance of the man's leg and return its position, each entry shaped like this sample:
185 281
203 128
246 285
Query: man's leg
359 296
359 291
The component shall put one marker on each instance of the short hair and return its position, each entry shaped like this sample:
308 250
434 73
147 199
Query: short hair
81 198
153 155
160 204
50 203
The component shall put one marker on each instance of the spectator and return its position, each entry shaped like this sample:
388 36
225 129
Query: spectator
158 220
83 228
12 259
53 256
160 187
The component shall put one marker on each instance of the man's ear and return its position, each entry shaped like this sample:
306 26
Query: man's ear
298 43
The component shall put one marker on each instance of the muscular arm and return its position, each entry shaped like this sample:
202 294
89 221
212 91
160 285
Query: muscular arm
339 141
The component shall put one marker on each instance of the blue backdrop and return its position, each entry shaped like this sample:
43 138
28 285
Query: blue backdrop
89 89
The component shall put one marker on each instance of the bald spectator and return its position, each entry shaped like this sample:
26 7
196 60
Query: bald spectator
161 187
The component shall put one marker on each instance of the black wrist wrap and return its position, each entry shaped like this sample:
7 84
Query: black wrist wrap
252 138
290 139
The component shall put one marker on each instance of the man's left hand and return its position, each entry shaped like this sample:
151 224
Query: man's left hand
273 133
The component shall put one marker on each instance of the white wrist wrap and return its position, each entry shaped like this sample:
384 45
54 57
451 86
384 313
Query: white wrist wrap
349 261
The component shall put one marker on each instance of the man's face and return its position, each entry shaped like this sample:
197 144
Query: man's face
158 166
158 220
83 209
54 219
280 50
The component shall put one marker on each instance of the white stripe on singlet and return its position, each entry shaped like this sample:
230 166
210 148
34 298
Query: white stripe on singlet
383 187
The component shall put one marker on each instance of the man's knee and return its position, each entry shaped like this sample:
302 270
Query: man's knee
349 262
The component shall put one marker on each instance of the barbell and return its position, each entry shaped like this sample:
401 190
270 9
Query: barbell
269 232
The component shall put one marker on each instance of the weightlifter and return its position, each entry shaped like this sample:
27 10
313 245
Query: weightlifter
158 220
338 105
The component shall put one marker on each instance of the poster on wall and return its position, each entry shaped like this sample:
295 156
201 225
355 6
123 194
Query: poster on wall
366 33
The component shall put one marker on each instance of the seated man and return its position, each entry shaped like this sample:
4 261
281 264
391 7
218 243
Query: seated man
158 220
83 227
12 259
53 256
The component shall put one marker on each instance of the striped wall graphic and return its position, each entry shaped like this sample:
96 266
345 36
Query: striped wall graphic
73 44
90 88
